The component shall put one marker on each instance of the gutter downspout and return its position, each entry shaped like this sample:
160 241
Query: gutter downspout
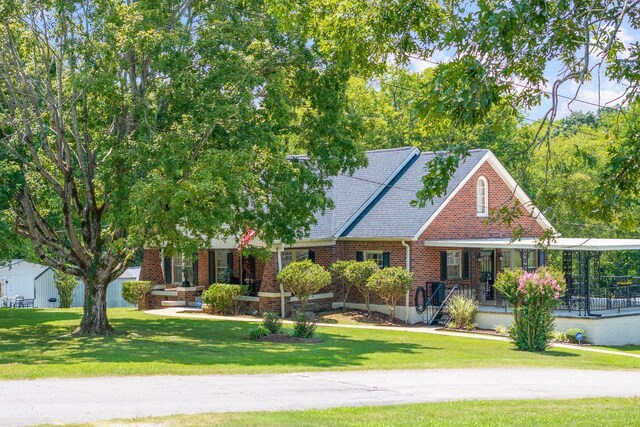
408 267
280 249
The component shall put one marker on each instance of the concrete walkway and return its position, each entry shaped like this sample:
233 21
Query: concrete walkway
179 312
91 399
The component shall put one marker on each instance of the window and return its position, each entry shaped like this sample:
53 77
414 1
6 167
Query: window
223 270
294 255
454 266
482 197
511 258
376 256
181 269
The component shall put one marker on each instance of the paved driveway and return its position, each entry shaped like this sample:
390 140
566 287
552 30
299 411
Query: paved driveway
90 399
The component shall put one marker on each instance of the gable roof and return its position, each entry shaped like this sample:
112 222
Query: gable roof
351 194
375 202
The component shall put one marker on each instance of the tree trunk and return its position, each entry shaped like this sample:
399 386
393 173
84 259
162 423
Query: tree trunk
94 320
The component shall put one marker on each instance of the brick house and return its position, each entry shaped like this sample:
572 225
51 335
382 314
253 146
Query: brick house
374 218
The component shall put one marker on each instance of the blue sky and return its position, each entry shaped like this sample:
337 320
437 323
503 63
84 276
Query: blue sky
600 90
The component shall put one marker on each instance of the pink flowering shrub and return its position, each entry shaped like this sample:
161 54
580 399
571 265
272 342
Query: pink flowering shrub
533 297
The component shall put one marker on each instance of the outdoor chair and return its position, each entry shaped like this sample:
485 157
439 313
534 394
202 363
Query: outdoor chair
28 303
18 303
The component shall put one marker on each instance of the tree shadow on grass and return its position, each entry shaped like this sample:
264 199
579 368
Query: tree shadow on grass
185 342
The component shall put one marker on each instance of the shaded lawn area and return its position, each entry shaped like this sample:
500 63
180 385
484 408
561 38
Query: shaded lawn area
625 348
32 346
591 412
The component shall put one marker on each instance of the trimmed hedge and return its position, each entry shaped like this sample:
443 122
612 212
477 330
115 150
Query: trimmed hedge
133 291
223 298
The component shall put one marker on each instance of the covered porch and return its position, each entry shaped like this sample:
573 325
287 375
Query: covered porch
590 292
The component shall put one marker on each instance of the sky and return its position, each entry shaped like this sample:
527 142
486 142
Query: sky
599 91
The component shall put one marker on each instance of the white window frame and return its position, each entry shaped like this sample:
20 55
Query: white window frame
458 274
482 197
178 261
221 254
511 259
292 255
371 255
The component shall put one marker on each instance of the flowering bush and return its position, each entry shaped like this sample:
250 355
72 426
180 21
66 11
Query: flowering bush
533 297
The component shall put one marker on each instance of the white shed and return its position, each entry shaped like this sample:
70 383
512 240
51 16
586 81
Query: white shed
36 281
17 278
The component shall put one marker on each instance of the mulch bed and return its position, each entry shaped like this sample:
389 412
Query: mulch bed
286 338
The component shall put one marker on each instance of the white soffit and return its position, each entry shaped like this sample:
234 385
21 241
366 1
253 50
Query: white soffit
561 243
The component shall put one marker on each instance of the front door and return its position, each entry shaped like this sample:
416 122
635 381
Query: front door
487 273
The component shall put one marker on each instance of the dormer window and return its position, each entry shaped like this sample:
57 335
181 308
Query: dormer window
482 197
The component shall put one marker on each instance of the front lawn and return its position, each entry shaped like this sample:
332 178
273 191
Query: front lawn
588 412
32 346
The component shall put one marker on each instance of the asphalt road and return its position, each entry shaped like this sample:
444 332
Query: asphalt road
91 399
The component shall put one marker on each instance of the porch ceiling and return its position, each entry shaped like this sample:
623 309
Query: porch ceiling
560 243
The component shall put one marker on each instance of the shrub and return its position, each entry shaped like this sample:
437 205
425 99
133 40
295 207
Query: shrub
557 336
272 322
570 334
533 297
133 291
65 284
303 327
224 299
258 332
501 330
391 284
338 269
303 279
462 311
357 274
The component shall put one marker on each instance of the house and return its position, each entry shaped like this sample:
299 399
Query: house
374 218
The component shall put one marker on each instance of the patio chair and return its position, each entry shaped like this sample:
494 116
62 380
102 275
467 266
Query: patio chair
18 302
29 302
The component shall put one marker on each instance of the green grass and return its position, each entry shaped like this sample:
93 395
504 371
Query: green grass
625 348
587 412
32 346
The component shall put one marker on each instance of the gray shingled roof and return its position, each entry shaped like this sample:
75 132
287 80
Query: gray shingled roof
389 215
350 193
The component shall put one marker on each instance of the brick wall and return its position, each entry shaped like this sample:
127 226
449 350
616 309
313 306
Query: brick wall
459 220
203 268
151 268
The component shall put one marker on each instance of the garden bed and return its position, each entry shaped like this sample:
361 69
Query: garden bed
357 317
286 338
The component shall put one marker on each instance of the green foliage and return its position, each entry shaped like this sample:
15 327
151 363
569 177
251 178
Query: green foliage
357 273
196 107
272 322
223 298
501 330
303 327
258 332
65 284
303 279
338 270
533 296
134 291
462 311
391 284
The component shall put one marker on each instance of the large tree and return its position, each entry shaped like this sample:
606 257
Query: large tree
501 55
161 122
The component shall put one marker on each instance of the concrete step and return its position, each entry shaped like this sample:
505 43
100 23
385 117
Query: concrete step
176 303
165 293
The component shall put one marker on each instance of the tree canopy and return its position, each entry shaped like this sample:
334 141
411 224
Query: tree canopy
161 123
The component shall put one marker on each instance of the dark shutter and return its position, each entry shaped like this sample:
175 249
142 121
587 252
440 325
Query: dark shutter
312 256
194 279
359 256
443 265
541 258
386 259
212 267
230 261
167 269
465 265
